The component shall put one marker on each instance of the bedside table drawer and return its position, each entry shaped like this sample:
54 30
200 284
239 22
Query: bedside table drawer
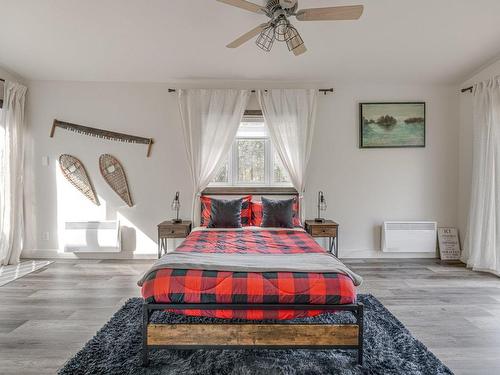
323 231
173 231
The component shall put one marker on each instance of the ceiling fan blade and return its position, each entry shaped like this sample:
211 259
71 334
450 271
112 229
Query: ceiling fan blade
300 50
351 12
247 36
243 4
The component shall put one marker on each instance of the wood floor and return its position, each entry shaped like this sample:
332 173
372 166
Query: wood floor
47 316
12 272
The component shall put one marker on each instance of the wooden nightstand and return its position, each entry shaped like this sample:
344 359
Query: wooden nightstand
167 230
328 228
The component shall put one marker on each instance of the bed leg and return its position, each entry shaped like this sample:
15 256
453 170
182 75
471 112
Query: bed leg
145 322
359 319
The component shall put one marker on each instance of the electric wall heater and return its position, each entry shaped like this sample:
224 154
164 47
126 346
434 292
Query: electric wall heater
409 236
92 236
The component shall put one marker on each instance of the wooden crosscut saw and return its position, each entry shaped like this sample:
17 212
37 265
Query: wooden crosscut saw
101 133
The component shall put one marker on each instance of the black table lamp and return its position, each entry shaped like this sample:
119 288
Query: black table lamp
321 207
176 204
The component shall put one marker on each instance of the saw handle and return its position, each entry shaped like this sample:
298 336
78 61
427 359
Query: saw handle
150 145
53 129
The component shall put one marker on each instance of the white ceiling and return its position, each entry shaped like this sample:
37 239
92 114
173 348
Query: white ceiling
404 41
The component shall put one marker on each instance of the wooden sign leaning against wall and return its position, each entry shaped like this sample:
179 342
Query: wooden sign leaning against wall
449 244
101 133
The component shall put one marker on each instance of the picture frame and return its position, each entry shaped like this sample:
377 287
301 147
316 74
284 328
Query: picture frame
392 124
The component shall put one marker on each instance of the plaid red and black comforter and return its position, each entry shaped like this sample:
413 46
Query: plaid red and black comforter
225 287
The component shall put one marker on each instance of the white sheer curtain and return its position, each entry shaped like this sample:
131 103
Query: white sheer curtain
11 173
290 115
210 120
482 243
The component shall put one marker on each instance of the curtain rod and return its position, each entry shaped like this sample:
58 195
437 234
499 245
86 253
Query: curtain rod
324 91
1 79
467 89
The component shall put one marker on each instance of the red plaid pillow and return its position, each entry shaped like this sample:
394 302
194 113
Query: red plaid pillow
206 210
257 214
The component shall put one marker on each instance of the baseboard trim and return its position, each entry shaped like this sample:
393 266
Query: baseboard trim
344 254
377 254
54 254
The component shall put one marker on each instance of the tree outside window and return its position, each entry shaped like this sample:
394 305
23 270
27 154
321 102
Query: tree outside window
252 159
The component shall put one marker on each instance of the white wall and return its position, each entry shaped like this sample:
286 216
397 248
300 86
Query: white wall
363 187
9 75
465 142
140 109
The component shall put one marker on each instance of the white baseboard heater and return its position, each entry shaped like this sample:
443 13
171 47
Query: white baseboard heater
92 236
409 236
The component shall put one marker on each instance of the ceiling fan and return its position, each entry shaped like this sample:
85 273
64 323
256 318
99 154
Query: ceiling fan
279 27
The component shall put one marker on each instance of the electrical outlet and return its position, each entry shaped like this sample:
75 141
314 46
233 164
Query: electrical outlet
45 236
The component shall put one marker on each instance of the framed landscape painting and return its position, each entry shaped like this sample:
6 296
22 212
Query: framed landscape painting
386 125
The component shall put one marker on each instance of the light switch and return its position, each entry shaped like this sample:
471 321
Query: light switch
45 161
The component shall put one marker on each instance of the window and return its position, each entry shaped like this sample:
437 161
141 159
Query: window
252 159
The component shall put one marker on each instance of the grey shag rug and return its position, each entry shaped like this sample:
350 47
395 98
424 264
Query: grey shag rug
389 349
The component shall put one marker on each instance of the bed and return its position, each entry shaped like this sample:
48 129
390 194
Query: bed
255 274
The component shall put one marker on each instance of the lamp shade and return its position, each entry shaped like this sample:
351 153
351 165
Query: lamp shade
321 206
322 202
281 29
266 39
176 204
293 38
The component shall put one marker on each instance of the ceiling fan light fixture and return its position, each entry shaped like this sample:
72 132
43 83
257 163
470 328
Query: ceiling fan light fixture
278 26
293 38
266 38
281 29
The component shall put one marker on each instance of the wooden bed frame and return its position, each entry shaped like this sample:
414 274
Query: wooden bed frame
251 335
248 335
